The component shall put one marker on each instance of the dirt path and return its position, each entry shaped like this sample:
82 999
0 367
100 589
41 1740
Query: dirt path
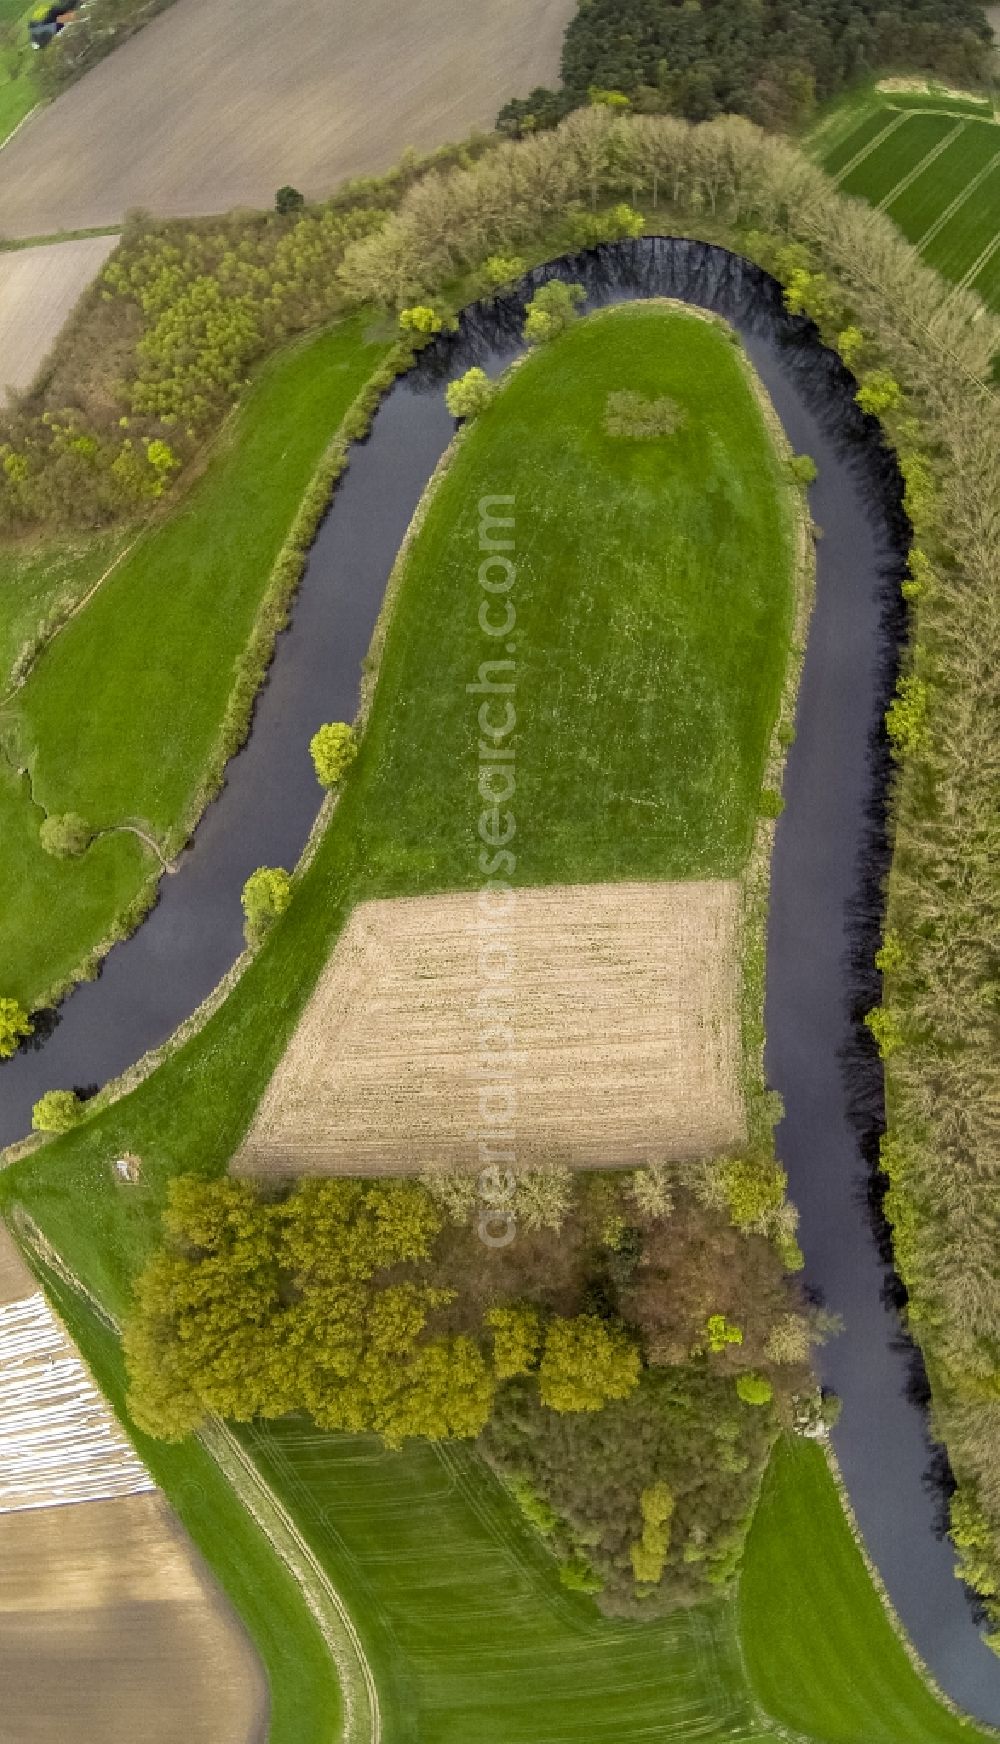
219 102
38 289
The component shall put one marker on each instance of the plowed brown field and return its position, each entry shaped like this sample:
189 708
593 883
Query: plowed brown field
218 102
620 1043
111 1633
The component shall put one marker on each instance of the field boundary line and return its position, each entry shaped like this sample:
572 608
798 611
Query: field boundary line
873 145
925 163
955 206
982 259
22 123
318 1590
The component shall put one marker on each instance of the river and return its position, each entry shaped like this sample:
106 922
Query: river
829 855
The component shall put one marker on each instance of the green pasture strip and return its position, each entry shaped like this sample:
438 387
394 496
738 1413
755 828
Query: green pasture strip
945 179
866 129
821 1653
18 94
950 209
973 228
885 167
41 583
119 718
654 601
304 1691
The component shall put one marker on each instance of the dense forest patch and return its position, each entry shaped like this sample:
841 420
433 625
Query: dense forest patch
769 61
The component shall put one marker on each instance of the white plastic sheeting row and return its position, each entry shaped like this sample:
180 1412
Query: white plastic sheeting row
59 1441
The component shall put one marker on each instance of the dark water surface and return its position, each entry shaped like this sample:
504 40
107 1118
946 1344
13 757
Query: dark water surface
829 855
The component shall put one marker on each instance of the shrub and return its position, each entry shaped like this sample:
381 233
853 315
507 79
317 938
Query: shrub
57 1111
626 222
288 199
502 270
789 1340
333 748
891 954
578 1575
634 415
15 1026
879 392
551 310
65 835
470 394
649 1190
885 1030
542 1197
266 895
534 1508
721 1332
851 345
906 717
754 1389
421 318
454 1190
803 469
754 1189
770 804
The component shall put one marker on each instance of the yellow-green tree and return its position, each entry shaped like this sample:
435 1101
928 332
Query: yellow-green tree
585 1364
517 1334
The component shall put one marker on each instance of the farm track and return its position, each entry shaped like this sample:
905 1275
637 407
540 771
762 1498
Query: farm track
215 104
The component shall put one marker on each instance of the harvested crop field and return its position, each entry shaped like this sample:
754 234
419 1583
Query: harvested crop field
39 288
597 1023
217 103
111 1631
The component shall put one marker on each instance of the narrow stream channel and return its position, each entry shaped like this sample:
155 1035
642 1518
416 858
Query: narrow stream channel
824 905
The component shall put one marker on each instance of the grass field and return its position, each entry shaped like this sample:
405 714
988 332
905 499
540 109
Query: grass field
469 1633
680 694
128 738
840 1675
933 165
17 86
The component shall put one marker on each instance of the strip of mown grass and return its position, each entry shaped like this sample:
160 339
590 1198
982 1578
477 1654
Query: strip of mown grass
820 1651
949 210
654 601
304 1690
120 716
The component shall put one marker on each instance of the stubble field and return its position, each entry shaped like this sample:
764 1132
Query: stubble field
38 289
620 1000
